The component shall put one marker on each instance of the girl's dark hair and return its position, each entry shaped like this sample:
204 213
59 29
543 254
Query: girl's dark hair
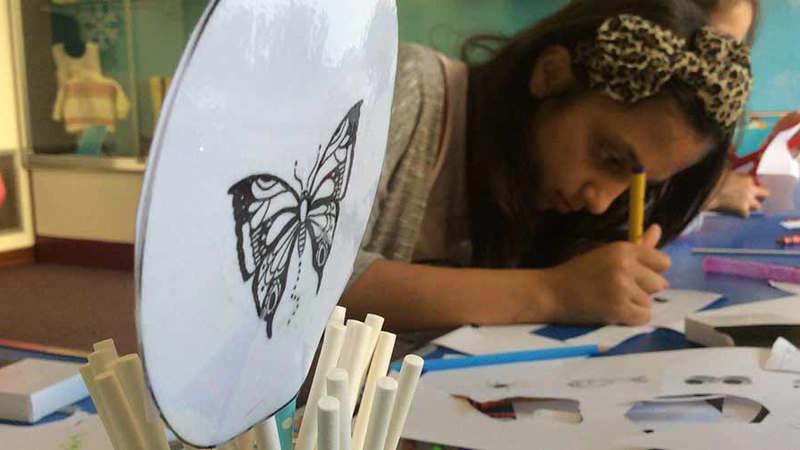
506 231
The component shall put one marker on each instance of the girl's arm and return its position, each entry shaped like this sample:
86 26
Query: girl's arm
610 284
415 296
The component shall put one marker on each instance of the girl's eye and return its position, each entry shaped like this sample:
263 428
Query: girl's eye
610 159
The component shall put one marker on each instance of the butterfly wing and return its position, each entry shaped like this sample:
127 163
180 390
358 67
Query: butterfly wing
332 172
265 209
321 225
329 186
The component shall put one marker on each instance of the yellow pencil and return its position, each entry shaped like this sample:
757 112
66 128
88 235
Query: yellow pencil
636 208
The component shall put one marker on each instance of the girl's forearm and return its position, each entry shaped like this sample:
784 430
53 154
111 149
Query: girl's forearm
415 296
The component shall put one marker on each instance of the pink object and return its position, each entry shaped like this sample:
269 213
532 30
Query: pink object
750 269
2 191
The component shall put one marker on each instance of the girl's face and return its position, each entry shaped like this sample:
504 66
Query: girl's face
586 149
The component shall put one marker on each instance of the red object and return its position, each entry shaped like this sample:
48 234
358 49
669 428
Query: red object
793 239
2 191
794 142
786 122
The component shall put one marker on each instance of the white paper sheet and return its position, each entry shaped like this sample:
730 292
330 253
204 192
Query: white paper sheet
474 340
669 313
81 431
606 388
777 160
784 357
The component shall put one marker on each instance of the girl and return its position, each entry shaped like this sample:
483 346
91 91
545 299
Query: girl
503 195
737 193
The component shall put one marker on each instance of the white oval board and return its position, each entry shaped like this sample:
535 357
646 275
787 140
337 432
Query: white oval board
257 193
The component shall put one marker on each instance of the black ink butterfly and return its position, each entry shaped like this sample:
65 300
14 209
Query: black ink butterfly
272 218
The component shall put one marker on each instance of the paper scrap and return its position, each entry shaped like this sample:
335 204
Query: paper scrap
791 224
784 357
777 159
791 288
474 340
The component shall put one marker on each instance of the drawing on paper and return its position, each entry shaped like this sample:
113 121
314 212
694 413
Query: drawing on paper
705 379
588 383
274 220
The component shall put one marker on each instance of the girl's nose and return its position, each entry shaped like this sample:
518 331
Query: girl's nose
599 196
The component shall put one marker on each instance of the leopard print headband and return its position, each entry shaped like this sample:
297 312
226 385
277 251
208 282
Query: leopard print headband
632 58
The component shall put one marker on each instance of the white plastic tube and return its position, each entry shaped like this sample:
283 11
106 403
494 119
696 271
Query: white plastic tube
338 388
406 386
354 351
129 372
328 423
379 417
377 369
375 324
328 357
338 314
88 375
266 434
119 411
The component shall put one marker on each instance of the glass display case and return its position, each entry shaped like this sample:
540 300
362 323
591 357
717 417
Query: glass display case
97 72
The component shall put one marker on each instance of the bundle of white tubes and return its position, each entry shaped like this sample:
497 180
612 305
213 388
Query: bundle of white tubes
354 359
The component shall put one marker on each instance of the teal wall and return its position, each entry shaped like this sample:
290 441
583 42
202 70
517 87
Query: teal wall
444 24
776 57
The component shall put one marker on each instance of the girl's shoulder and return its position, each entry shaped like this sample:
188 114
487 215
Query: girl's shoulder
419 97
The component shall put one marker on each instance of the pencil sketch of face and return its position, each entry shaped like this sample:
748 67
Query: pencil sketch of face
705 379
588 383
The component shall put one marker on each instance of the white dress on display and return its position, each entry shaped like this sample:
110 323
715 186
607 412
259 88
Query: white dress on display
85 97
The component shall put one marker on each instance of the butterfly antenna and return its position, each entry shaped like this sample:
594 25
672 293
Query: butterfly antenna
312 177
298 178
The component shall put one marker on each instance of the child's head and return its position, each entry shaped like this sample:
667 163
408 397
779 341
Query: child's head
733 17
566 109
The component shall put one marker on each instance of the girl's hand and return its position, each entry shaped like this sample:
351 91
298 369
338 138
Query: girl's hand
610 284
739 194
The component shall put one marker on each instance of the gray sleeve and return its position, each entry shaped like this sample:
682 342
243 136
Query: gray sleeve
385 228
365 257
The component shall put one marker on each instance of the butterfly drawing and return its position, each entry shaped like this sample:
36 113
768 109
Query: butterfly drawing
276 222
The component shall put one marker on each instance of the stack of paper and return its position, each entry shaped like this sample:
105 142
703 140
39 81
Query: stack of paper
33 388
